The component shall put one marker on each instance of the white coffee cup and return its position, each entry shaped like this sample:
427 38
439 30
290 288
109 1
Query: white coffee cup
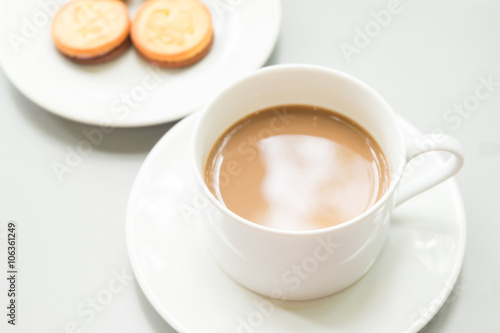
301 265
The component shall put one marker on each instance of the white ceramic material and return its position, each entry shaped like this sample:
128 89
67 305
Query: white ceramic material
300 265
128 91
413 276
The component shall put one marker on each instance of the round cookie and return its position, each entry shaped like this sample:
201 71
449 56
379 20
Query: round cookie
173 33
92 31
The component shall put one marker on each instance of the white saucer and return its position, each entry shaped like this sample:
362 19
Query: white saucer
411 279
245 35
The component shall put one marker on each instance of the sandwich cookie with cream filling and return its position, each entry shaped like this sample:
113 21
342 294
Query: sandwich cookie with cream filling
173 33
92 31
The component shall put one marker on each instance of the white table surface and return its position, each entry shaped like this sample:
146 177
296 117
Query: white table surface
71 233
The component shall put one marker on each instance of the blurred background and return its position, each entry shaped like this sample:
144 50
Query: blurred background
437 63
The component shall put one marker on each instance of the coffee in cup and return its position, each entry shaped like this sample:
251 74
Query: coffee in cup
297 167
260 257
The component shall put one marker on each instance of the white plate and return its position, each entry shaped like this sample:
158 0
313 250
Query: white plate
245 34
411 279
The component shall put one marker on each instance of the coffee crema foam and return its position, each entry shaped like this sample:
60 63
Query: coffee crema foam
297 167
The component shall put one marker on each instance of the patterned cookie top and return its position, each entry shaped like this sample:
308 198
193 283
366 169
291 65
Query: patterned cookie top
172 27
90 27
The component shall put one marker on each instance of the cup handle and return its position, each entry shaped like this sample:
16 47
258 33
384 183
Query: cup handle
425 144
